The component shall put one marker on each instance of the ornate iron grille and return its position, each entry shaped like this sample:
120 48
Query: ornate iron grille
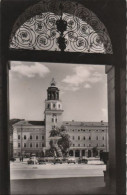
84 32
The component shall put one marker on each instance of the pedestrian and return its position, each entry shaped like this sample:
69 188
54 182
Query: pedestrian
22 158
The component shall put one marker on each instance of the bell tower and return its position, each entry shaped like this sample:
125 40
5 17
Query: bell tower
53 110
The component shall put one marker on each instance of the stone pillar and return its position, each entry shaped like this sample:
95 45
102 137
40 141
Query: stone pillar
91 153
86 151
74 153
80 153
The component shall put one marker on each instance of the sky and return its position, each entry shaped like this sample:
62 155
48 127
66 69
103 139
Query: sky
83 90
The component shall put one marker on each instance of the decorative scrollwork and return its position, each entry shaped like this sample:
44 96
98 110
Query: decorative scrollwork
84 31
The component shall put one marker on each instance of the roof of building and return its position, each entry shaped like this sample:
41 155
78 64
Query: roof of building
83 123
35 123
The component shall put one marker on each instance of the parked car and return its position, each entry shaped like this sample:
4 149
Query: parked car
83 161
41 161
32 160
57 160
12 159
71 160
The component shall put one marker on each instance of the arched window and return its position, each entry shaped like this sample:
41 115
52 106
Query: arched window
18 145
48 106
37 145
24 145
24 136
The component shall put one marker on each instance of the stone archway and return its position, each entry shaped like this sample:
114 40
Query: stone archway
117 124
71 153
89 153
77 153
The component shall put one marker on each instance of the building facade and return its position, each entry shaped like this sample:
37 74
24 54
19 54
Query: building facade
87 138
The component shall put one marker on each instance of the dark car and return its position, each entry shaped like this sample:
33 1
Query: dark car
71 160
58 161
30 162
82 161
12 159
41 161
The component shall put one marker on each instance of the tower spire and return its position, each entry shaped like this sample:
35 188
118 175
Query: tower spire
53 82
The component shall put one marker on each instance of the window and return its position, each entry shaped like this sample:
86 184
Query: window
78 137
42 137
56 120
52 120
36 145
89 145
84 138
30 145
103 138
84 144
24 136
18 136
89 138
73 137
97 138
36 136
89 130
73 144
103 145
42 145
18 145
79 145
59 105
24 145
48 106
54 105
30 136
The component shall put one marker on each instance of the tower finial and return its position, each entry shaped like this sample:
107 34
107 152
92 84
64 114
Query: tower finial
53 82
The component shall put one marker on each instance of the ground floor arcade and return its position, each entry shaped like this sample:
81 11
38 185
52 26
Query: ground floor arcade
88 152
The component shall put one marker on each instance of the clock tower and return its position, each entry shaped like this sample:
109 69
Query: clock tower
53 110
